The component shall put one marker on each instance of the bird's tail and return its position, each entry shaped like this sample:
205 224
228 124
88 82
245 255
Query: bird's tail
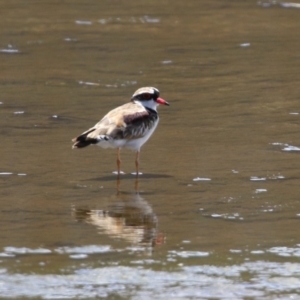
83 140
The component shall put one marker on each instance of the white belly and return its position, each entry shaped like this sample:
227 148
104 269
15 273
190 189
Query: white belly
134 144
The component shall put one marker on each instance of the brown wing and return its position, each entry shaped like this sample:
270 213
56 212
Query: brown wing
117 124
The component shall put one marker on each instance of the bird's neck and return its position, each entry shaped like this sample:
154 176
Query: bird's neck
150 105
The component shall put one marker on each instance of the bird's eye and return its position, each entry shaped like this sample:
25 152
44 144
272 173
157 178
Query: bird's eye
147 96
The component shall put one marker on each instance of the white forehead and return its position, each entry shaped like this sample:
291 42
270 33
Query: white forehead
148 89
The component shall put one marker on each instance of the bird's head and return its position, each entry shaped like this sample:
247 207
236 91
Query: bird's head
148 97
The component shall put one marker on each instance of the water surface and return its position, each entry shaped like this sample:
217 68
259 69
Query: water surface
215 214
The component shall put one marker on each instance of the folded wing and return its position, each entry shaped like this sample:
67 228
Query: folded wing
130 121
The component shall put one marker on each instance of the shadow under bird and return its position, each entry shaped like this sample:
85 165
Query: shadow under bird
127 126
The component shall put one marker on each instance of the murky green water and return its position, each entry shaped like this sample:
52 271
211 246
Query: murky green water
215 214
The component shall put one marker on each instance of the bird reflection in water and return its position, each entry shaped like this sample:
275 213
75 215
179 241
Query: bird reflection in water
129 217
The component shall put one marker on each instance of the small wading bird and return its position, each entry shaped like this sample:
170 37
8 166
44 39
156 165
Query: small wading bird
127 126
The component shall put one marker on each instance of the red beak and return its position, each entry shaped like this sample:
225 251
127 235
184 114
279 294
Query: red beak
162 101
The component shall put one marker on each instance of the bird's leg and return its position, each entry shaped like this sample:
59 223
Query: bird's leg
137 162
118 161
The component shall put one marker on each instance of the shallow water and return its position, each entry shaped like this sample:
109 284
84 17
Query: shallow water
215 213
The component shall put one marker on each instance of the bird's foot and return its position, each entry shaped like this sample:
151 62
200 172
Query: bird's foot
134 173
116 172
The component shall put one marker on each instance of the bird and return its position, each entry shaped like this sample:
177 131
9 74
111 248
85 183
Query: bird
127 126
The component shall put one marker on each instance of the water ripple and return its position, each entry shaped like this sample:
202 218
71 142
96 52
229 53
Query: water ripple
189 282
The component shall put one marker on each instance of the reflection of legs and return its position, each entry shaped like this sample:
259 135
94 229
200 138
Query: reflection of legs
136 184
118 184
137 162
118 161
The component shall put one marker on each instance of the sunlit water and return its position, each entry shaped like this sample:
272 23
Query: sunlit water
215 213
